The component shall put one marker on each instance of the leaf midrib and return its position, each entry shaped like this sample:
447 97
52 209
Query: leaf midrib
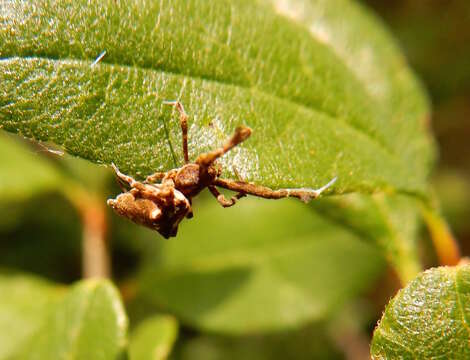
293 102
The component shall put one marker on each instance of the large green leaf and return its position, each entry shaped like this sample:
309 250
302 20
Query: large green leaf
325 97
429 319
25 304
90 323
257 267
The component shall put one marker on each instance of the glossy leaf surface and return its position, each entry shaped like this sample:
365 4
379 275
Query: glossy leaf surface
429 319
317 110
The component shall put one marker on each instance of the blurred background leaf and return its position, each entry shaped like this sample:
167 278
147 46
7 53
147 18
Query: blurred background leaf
311 342
90 323
228 273
25 303
153 339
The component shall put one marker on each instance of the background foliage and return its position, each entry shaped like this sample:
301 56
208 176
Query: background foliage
264 280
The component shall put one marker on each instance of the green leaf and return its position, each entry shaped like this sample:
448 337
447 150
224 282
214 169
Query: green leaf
257 267
90 323
429 319
153 339
25 303
324 97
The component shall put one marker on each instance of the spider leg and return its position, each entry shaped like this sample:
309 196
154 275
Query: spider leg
241 134
221 198
184 126
303 194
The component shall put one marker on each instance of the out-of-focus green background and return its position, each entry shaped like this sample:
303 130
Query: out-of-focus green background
435 36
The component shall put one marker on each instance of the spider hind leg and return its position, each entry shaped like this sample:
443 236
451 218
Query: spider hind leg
303 194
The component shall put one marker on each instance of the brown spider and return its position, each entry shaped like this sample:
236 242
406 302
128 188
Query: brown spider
161 206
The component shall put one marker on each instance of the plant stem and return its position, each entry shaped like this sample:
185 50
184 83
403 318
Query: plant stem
95 253
445 244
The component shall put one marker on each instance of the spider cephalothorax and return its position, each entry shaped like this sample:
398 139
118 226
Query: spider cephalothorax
164 199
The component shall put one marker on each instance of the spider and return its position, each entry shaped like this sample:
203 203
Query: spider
164 198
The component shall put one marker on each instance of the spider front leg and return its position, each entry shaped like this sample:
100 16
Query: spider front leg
184 126
221 198
241 134
303 194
